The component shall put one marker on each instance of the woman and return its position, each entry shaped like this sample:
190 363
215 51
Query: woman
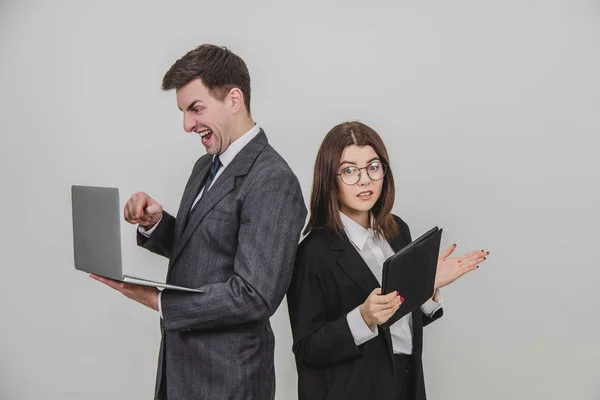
335 301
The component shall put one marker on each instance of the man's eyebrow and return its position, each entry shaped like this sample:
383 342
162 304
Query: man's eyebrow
192 105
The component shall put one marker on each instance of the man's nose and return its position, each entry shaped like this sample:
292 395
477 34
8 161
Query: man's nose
189 124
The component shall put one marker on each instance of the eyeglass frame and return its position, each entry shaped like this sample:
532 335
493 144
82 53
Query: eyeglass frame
383 166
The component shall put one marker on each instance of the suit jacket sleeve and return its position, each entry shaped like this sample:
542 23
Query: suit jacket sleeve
271 219
318 339
405 231
161 240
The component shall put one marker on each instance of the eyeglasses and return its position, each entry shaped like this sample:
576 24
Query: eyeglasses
375 170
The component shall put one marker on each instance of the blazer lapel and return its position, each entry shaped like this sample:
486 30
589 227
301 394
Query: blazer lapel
239 166
353 264
189 195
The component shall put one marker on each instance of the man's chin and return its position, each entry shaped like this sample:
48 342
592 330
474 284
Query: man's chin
212 150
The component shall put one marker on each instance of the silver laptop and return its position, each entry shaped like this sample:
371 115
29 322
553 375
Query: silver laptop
97 235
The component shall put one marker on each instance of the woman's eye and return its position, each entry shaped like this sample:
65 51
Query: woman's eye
349 171
374 167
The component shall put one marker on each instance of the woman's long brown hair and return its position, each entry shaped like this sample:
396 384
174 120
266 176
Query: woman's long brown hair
324 199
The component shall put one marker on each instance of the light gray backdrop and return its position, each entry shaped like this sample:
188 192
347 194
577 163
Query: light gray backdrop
490 110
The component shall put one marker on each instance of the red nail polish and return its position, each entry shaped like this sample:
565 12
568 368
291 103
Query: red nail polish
484 258
397 293
402 299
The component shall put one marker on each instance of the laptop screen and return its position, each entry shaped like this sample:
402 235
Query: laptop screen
97 230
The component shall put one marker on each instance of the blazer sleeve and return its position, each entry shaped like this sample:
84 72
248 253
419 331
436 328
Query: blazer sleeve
271 219
405 232
318 340
435 316
161 240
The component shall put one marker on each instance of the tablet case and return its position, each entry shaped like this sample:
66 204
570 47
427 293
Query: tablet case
411 271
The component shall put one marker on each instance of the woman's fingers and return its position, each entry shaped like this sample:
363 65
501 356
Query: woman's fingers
448 251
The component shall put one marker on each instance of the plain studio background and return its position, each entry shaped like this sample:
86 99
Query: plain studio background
490 113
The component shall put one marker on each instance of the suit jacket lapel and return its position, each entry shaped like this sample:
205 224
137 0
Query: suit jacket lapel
220 188
353 264
189 195
239 166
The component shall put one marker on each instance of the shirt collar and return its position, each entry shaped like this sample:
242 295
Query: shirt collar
235 147
356 233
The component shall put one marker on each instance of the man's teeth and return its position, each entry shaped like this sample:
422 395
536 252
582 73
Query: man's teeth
202 134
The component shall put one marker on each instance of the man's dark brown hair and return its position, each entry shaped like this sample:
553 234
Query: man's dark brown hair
324 199
217 67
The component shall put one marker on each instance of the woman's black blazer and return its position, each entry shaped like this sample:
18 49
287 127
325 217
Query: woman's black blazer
331 279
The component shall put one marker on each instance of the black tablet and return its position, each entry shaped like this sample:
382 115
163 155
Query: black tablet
411 272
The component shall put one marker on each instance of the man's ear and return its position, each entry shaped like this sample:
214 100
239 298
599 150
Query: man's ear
235 99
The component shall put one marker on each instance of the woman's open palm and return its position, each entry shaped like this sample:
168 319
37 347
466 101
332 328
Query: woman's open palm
450 269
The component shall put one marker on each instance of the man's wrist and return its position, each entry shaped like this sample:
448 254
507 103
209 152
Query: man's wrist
153 301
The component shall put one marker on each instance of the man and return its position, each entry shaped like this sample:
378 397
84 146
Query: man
234 237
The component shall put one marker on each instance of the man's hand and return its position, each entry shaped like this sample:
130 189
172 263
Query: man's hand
146 295
142 209
450 269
